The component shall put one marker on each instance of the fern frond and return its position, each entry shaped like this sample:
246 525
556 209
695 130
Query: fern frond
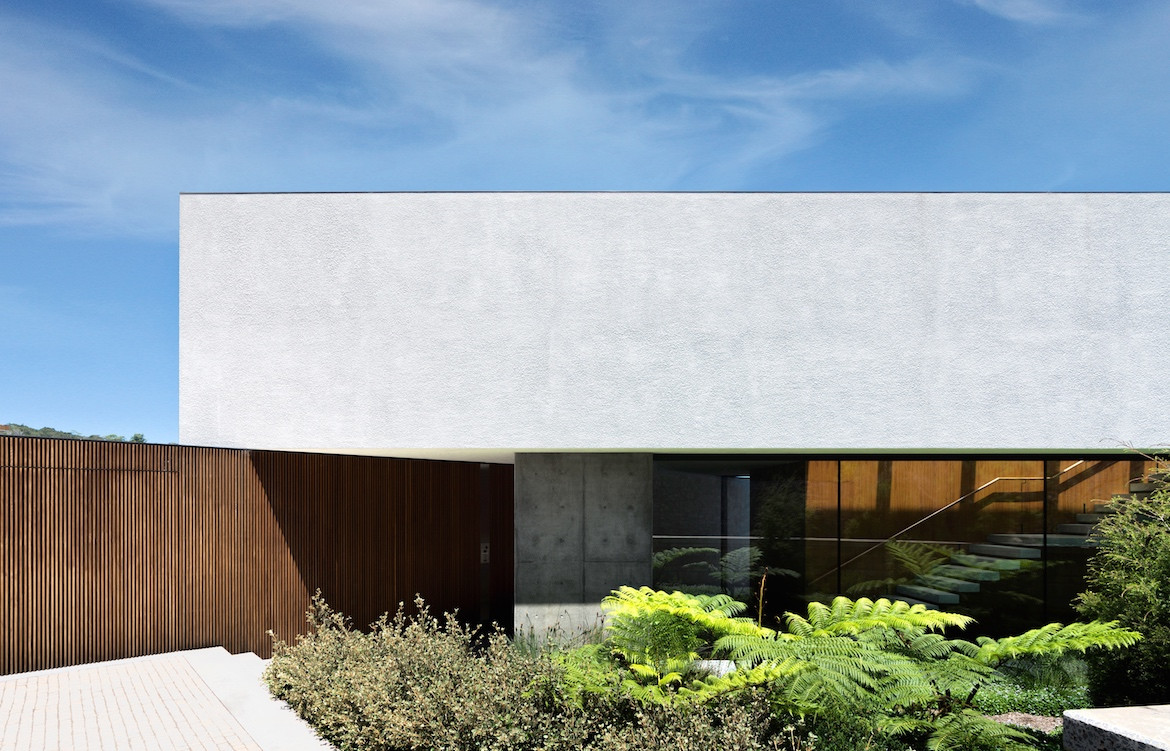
930 646
751 648
970 731
958 675
903 725
711 611
666 557
643 671
846 616
1055 639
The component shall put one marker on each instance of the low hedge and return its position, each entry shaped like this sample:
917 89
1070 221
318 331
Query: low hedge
421 683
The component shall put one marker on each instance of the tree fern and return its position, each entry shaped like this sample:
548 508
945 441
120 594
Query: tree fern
659 633
888 659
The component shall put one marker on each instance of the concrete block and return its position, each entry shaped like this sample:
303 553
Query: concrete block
559 581
1118 729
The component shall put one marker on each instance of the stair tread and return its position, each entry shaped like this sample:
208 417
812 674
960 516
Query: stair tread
1004 551
967 572
1089 518
947 583
1074 529
1038 540
928 593
983 561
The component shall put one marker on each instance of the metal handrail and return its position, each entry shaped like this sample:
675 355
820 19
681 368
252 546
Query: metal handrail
938 511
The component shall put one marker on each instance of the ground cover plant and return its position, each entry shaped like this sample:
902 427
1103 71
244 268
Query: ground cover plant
854 674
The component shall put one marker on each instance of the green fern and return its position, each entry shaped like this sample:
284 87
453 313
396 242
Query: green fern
852 617
886 658
967 730
1055 639
658 634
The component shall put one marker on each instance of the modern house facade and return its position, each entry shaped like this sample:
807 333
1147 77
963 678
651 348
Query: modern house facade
698 388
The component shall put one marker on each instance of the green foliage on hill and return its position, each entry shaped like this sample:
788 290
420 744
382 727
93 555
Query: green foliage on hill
24 430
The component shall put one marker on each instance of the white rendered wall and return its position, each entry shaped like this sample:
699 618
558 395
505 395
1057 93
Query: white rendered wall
416 324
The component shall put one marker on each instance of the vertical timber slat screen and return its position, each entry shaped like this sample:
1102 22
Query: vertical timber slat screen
111 550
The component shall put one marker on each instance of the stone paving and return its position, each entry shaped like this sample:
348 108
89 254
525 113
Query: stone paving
201 699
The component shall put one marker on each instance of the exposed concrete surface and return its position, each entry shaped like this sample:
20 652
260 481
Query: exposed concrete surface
583 528
1118 729
198 699
236 681
563 622
429 322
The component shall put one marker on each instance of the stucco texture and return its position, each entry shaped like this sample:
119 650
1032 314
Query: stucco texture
657 321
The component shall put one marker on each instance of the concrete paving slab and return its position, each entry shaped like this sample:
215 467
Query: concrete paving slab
1118 729
236 680
182 700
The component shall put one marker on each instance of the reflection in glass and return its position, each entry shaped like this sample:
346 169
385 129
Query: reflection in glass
1003 539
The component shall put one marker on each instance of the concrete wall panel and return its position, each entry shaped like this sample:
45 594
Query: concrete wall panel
549 489
610 495
618 506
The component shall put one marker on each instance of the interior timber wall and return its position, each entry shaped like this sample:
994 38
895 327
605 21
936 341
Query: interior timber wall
111 550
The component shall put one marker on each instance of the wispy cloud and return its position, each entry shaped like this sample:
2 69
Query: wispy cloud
1027 11
1093 120
438 94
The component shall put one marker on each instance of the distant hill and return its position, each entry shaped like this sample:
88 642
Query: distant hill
18 429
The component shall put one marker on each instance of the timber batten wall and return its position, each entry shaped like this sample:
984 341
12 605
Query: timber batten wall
112 550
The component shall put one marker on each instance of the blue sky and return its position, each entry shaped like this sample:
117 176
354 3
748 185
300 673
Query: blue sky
108 110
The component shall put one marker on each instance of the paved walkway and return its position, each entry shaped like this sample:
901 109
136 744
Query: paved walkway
199 699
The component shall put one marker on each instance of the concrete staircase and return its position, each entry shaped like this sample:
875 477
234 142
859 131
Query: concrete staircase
1001 556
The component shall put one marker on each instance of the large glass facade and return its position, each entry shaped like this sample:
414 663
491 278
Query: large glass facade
1003 539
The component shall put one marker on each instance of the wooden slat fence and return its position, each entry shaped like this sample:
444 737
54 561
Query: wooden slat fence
112 550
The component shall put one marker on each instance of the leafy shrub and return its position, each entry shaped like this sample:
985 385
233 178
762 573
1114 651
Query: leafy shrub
413 683
422 683
868 675
1129 581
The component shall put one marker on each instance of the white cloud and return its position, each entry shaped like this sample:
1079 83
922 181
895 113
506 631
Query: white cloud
1027 11
452 94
